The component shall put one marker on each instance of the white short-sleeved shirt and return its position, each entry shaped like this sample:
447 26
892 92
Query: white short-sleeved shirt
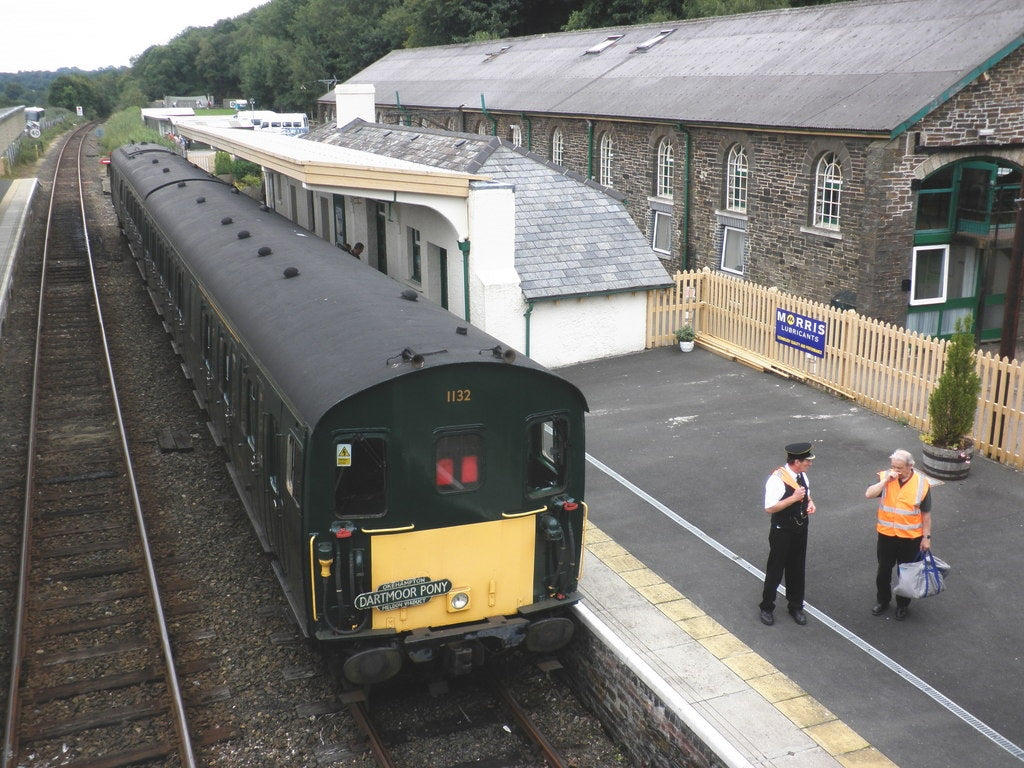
775 489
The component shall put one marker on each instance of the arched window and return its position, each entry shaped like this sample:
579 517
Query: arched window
483 129
515 135
558 147
828 188
604 173
736 180
663 186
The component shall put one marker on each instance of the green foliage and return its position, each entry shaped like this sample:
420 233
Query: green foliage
222 164
953 402
242 168
72 91
685 333
126 127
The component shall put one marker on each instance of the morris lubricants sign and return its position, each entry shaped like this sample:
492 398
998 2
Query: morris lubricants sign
803 333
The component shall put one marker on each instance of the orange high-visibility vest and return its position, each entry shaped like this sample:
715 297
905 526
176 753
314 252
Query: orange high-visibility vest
899 512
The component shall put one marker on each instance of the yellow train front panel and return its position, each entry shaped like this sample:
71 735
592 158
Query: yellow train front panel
451 575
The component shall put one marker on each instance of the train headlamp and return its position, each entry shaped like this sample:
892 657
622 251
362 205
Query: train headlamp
458 600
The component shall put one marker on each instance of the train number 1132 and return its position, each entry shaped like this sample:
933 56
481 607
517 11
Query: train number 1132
458 395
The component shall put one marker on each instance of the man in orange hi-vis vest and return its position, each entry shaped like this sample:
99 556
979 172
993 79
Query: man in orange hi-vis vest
904 525
787 498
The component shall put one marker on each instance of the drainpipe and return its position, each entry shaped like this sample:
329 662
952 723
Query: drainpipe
684 260
464 247
494 120
403 110
529 130
590 149
526 315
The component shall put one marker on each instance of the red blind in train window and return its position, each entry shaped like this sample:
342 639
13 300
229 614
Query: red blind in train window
459 462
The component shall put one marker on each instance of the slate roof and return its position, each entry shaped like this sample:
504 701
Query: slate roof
573 236
871 66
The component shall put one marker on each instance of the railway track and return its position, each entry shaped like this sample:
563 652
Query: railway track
92 681
478 722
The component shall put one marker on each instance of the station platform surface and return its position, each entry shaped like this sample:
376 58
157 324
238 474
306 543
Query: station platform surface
679 447
15 199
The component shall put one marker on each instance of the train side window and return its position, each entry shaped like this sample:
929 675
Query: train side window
227 363
251 413
207 341
293 470
547 455
459 462
360 476
270 462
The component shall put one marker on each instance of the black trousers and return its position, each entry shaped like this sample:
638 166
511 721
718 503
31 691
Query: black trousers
787 556
891 550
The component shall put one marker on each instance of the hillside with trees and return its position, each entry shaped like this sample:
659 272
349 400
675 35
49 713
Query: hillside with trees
287 53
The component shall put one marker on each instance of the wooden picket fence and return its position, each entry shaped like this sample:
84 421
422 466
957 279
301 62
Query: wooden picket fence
882 367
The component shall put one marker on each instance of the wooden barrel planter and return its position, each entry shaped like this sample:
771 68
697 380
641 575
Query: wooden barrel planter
947 463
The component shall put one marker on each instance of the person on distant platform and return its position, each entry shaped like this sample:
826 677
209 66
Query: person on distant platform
904 525
787 498
357 250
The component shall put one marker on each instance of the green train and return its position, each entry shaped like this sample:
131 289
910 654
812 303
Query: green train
418 485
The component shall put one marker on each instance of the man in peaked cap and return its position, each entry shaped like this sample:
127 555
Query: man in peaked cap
787 498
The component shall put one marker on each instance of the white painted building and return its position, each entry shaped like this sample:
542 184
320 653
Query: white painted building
543 259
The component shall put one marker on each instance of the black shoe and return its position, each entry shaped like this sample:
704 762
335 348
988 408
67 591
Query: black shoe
767 617
879 608
798 616
901 612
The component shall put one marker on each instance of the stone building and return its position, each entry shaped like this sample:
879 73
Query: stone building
865 153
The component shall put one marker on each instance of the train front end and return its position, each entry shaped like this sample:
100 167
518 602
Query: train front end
450 517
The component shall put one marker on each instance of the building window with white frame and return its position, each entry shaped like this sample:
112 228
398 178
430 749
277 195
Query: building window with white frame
661 237
736 172
928 275
607 155
663 187
828 189
558 147
734 243
515 134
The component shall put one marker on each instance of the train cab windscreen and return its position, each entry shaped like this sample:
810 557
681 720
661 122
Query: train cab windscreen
360 477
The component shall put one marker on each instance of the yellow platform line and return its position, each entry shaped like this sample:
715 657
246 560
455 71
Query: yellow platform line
809 715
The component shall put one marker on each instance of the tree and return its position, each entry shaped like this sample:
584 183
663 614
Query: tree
953 402
72 91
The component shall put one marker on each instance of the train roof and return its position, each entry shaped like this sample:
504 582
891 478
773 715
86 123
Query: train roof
334 328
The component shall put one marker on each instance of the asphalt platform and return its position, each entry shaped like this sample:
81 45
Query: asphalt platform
680 446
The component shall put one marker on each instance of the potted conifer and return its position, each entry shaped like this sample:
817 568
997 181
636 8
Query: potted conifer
948 446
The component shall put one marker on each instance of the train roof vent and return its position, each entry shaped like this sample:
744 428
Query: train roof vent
181 184
155 161
265 250
290 272
409 294
200 199
226 220
264 207
243 234
165 169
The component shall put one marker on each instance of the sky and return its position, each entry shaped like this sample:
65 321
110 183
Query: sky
49 34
